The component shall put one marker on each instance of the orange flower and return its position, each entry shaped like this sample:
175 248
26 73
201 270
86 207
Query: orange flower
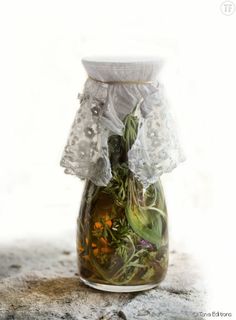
98 225
95 251
106 219
109 223
106 250
103 242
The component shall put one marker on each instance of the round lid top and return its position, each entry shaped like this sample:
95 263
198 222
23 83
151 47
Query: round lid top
121 68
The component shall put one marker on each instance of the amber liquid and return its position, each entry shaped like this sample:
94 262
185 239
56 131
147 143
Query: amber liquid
109 250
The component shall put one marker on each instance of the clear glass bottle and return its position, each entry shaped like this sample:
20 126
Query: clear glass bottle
122 237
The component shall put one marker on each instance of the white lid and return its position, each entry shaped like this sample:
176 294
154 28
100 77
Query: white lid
122 68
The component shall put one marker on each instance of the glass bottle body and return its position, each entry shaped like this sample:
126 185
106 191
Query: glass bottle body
122 233
122 248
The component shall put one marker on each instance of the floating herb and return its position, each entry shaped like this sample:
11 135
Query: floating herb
122 236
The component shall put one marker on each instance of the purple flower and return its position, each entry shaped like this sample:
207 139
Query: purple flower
146 244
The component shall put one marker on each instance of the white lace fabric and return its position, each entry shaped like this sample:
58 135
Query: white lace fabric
103 106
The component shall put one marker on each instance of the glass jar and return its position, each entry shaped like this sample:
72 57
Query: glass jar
122 235
122 140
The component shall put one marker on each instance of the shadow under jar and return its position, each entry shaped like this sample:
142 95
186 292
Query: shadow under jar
122 235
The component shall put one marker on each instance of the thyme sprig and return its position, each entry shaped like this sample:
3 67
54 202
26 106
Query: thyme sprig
134 219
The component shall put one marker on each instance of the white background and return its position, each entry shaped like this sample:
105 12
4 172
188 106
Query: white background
41 45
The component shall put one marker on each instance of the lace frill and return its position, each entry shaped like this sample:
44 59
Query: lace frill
103 106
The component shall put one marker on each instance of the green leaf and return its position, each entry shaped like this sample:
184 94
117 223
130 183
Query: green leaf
147 223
